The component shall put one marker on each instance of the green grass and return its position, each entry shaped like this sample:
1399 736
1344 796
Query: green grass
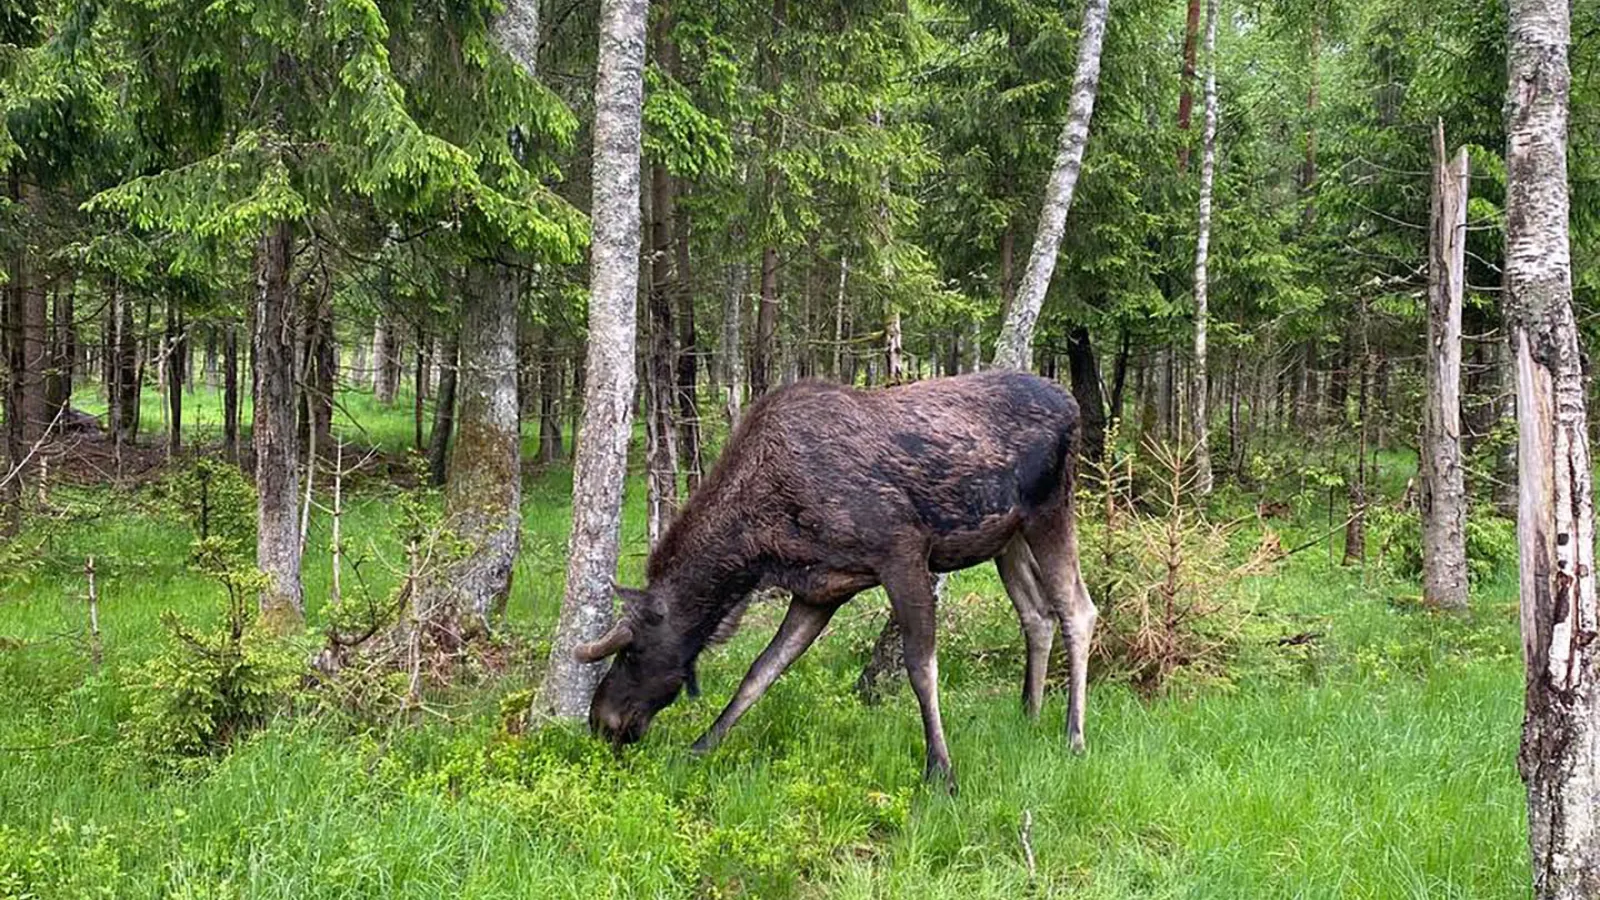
1378 761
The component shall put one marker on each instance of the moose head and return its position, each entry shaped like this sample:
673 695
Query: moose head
650 665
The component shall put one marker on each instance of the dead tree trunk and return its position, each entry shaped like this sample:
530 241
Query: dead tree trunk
275 437
586 610
1014 349
1560 755
766 325
1444 495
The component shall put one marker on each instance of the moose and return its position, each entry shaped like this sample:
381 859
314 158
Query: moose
825 491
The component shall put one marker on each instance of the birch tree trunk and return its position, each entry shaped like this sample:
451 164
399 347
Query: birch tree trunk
1200 418
602 457
275 436
1014 349
1444 494
1560 754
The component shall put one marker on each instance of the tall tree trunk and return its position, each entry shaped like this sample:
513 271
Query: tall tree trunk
1086 388
483 493
609 382
444 407
386 351
766 325
1191 37
128 378
550 384
689 440
733 343
174 367
1444 495
1199 386
838 320
34 361
1014 349
1560 755
66 347
1313 102
894 359
661 451
274 434
230 391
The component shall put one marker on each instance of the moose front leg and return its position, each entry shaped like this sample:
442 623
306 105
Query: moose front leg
911 594
800 628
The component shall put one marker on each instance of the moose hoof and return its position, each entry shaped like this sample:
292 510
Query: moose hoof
1075 744
940 775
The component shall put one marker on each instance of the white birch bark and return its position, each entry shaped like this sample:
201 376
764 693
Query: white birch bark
609 380
1202 253
1560 754
1014 349
1444 492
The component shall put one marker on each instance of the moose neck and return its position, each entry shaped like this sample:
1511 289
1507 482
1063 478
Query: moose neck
704 569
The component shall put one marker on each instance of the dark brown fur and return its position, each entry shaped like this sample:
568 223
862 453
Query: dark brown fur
825 491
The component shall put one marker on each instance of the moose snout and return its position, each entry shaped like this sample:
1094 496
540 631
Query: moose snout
615 725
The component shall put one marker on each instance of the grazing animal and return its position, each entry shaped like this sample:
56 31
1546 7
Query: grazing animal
825 491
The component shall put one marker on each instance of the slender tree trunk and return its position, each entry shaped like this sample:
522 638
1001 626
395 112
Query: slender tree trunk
1086 388
838 320
1560 755
1199 386
550 384
766 325
230 391
1191 37
894 360
34 360
733 343
609 382
1014 349
174 366
274 435
661 452
444 407
689 438
66 347
1444 495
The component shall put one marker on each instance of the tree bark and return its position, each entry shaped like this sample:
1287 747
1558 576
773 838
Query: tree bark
1444 495
174 367
1199 387
766 325
444 407
1014 349
1560 754
483 493
1087 390
609 381
1191 36
733 344
661 451
275 437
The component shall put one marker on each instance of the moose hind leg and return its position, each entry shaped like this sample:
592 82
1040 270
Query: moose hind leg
1054 545
1034 615
800 628
910 590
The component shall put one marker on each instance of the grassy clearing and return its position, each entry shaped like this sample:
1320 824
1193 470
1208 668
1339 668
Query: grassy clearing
1376 760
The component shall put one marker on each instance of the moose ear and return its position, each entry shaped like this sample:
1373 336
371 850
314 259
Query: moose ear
620 635
629 596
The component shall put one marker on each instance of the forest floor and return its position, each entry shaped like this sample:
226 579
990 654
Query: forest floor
1374 757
